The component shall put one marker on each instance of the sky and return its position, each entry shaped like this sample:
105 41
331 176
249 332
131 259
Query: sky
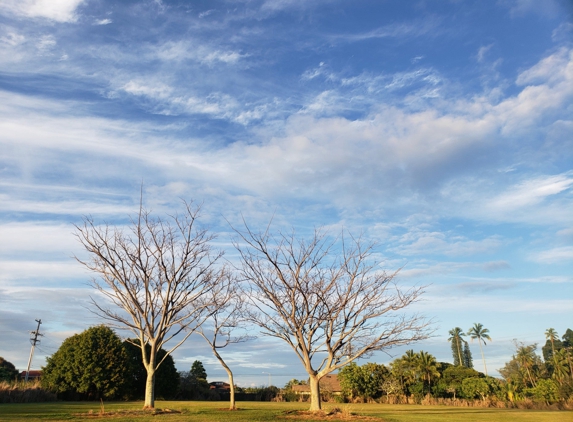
441 130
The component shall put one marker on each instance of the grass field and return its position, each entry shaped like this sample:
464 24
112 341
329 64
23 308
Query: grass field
265 411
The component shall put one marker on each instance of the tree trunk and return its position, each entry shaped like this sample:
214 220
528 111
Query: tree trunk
149 389
315 403
232 405
482 357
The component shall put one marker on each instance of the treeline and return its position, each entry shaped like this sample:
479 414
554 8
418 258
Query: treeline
96 364
419 378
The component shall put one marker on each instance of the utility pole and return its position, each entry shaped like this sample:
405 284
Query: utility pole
34 340
270 377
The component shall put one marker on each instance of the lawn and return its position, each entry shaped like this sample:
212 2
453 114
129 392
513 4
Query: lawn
264 411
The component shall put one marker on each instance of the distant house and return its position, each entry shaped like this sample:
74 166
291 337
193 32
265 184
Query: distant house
32 375
219 385
328 383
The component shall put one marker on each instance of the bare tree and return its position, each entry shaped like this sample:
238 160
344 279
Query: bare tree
227 307
153 279
326 300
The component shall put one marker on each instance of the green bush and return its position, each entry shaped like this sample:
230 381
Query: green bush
91 365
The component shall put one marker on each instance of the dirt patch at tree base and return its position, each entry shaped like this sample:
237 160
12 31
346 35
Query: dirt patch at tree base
336 414
121 413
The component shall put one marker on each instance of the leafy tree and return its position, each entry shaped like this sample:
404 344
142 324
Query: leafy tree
481 334
90 365
326 299
8 371
545 391
198 371
194 385
166 376
452 378
362 381
153 279
457 341
568 338
478 387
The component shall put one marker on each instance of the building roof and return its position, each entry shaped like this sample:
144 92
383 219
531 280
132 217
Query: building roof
327 383
31 374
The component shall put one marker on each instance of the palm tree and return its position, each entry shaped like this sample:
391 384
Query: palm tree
551 335
457 340
427 366
526 359
560 369
479 332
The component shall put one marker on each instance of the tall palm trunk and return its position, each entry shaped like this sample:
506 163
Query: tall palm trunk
459 351
482 357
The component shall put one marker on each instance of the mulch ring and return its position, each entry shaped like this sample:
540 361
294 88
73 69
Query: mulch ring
336 414
121 413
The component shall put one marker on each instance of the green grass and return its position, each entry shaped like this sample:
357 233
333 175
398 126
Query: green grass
265 412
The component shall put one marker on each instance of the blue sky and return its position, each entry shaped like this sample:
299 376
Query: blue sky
443 130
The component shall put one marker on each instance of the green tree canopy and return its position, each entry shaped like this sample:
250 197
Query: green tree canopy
8 371
194 384
467 356
363 381
89 365
166 376
482 387
568 338
450 383
198 371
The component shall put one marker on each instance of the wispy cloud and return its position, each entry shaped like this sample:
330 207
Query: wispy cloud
395 30
562 254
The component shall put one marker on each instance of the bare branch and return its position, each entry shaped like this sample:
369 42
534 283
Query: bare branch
154 278
326 299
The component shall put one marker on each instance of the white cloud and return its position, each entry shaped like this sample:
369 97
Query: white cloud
423 243
12 272
530 192
38 237
552 69
103 22
57 10
562 254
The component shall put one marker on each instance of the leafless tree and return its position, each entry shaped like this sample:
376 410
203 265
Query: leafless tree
153 278
325 299
227 307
